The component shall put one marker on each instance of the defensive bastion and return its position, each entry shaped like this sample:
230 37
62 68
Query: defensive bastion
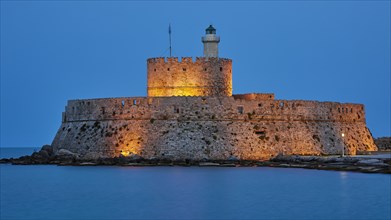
190 113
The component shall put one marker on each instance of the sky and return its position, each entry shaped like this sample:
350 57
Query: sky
54 51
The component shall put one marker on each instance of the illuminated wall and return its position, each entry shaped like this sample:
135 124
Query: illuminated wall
204 77
247 126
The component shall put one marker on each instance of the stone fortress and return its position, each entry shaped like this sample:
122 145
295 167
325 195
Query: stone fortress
191 113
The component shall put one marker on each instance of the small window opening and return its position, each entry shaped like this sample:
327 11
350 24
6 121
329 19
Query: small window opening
168 69
123 103
351 110
339 110
205 69
184 69
103 110
221 68
240 109
259 105
134 101
154 70
176 110
281 104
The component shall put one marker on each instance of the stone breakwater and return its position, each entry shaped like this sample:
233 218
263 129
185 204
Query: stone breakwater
246 127
67 158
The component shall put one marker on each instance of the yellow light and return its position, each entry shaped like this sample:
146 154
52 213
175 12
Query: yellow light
125 153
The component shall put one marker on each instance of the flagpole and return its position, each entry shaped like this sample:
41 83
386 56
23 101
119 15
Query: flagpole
169 33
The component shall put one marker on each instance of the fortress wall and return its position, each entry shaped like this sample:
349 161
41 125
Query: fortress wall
223 108
211 127
204 77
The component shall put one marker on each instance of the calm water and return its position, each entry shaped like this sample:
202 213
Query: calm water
56 192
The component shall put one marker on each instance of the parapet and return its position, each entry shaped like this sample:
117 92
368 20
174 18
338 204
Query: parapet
255 96
175 60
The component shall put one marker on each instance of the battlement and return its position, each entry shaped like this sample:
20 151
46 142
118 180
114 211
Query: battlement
246 107
175 60
255 96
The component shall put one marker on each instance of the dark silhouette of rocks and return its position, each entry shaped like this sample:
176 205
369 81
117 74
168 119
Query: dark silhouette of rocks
67 158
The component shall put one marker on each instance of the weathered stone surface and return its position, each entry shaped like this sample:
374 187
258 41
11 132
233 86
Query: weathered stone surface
203 77
383 143
48 149
214 128
92 156
64 152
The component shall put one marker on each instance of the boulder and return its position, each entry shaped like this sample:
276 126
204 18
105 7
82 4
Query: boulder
92 156
135 157
232 158
66 155
372 162
369 161
47 148
63 152
44 154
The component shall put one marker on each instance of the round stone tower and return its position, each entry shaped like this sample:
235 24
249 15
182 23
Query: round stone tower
206 76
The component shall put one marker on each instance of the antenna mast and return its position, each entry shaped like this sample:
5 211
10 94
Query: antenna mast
169 36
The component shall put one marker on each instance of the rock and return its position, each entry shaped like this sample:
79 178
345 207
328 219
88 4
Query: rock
87 164
228 165
135 157
44 154
208 164
369 161
373 162
232 158
63 152
91 156
5 160
279 157
48 149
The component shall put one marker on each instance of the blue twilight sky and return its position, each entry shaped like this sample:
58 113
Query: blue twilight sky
53 51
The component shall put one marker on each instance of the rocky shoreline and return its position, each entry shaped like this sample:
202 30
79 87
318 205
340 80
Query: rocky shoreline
338 163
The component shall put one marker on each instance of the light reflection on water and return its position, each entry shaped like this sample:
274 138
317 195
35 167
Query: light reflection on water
54 192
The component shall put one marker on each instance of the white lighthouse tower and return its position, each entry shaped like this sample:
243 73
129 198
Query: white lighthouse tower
211 42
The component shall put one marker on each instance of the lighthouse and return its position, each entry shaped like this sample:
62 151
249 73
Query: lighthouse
211 42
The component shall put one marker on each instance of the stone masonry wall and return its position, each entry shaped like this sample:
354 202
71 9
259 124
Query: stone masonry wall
204 77
249 126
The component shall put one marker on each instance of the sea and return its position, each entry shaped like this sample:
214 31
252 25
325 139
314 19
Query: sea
114 192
